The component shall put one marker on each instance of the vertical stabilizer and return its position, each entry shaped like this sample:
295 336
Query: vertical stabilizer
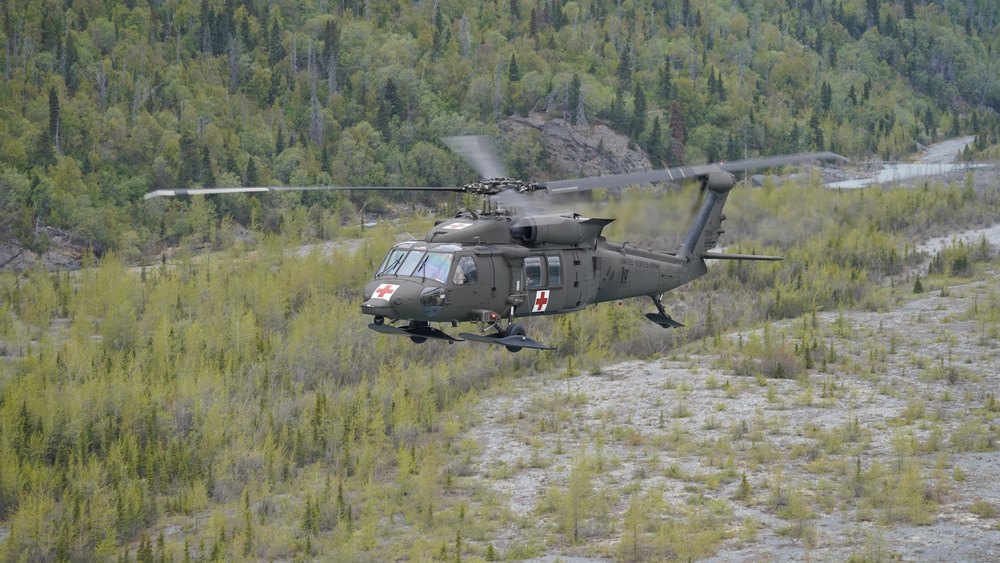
707 226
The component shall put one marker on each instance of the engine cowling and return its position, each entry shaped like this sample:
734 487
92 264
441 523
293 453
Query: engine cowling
557 229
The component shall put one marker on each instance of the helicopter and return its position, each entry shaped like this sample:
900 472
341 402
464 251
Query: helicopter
514 259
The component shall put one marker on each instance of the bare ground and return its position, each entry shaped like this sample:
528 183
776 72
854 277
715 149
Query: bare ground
945 151
916 379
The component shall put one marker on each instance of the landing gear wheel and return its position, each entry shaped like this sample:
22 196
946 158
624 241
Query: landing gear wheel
379 320
515 329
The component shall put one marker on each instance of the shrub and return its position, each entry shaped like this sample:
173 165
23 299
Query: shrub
983 509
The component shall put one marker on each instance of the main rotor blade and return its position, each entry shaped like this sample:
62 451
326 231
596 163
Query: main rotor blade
256 189
479 153
681 172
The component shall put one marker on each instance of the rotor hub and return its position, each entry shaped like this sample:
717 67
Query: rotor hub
493 186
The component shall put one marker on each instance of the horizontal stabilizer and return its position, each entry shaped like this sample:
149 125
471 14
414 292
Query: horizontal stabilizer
714 256
513 341
413 332
666 321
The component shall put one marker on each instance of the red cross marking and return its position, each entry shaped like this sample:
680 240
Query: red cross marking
385 290
541 301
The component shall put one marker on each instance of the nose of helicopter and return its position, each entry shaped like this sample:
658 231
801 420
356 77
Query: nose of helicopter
397 299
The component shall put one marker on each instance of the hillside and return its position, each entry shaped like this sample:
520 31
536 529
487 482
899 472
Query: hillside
104 101
233 405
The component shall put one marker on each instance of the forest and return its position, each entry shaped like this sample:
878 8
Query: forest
231 404
104 101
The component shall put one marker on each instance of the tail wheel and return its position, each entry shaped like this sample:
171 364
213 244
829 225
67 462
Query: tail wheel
515 329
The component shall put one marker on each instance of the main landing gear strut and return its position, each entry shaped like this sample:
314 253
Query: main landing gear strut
661 317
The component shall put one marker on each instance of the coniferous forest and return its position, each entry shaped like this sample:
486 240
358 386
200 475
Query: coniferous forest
104 101
232 405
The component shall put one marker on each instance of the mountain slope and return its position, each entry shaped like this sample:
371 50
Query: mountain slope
103 102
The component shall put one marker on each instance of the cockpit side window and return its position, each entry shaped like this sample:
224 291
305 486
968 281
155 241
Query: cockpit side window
533 271
465 271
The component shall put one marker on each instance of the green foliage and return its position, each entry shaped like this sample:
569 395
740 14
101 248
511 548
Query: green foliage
764 355
219 386
575 505
310 94
983 509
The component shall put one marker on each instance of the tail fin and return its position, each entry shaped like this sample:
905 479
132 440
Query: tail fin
707 226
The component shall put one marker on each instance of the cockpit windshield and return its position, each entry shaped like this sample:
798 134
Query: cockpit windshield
391 262
419 260
411 261
434 265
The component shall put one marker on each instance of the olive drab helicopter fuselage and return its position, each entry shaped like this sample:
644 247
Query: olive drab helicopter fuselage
492 269
501 277
511 262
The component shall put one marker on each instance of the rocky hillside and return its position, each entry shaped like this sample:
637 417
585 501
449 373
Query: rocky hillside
62 253
579 151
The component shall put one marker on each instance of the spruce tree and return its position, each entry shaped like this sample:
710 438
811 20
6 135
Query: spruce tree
250 175
190 163
618 121
654 144
71 57
574 100
817 142
207 174
276 50
53 138
206 28
639 113
624 67
677 131
513 73
666 84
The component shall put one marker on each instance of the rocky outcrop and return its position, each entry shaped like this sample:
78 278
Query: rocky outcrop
64 253
577 152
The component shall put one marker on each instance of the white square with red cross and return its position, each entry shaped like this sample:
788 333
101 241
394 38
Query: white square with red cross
541 301
385 291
